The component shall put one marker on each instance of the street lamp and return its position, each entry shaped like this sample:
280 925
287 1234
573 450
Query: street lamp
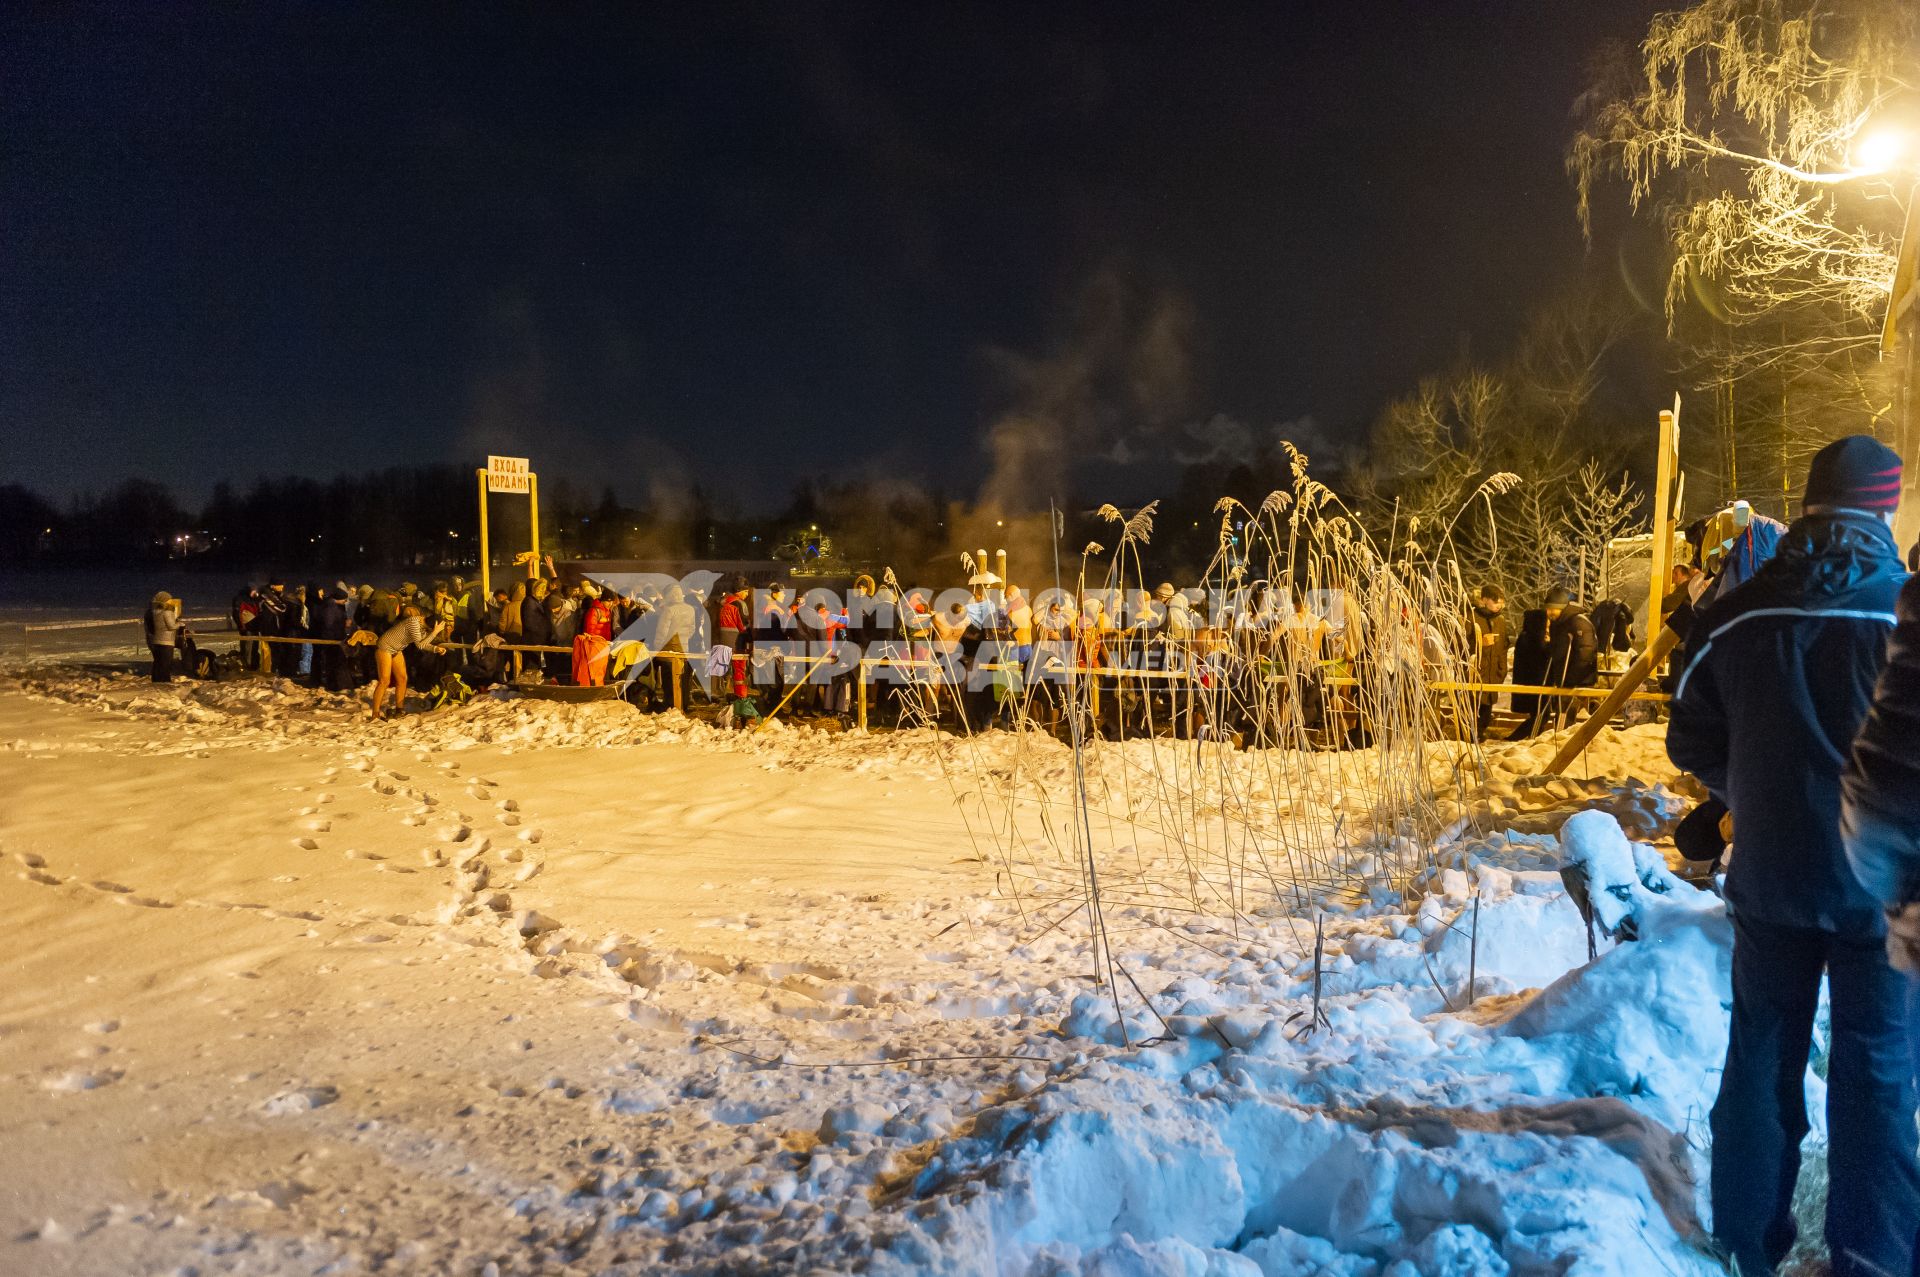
1881 150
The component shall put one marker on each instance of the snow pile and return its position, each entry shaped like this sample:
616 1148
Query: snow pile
1533 1133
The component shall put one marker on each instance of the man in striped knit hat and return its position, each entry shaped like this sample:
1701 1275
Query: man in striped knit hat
1777 679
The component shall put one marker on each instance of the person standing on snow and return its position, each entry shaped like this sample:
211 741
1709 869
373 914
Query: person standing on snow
1489 651
1880 807
330 632
273 622
1573 650
162 624
1778 676
390 656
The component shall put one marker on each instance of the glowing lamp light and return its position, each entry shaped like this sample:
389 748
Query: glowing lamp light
1880 150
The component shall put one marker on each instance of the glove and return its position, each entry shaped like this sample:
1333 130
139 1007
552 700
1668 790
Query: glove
1701 835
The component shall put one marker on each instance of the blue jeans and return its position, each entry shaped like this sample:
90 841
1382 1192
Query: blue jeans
1913 1044
1760 1117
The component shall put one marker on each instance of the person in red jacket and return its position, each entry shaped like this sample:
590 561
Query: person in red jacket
590 644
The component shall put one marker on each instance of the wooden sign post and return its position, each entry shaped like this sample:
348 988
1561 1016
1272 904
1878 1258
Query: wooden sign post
508 474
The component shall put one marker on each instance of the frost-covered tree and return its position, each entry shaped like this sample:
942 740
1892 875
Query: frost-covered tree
1741 125
1533 416
1598 510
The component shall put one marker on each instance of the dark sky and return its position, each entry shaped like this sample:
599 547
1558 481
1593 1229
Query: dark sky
739 243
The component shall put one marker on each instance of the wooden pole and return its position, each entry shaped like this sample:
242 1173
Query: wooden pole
486 555
533 523
860 695
1663 514
1663 642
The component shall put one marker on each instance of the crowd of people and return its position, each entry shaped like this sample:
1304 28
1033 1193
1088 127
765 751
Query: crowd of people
1186 661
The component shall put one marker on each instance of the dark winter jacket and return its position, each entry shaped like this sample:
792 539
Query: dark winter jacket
1880 789
1530 659
1613 625
277 615
536 623
1573 649
1777 679
330 618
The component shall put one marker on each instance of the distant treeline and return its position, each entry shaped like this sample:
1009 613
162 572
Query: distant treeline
427 517
422 516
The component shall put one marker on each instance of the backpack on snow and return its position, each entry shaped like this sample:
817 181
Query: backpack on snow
450 690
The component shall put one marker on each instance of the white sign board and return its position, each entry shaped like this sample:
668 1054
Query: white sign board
508 474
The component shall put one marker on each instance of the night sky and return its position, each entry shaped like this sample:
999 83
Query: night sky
738 244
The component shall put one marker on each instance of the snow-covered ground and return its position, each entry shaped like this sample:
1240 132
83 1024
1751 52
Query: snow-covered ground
530 988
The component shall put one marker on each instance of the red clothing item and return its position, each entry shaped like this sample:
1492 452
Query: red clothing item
733 616
590 653
599 620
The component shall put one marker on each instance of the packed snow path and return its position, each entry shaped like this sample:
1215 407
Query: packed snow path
534 988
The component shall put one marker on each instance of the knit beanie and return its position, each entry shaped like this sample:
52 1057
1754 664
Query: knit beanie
1857 473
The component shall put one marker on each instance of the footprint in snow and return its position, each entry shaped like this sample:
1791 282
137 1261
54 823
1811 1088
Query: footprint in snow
529 835
303 1100
102 1026
455 833
76 1080
306 844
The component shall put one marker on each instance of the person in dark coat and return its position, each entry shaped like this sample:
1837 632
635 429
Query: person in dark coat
329 623
1612 625
1490 649
1529 668
1573 645
280 617
1777 680
1880 807
1573 655
1572 660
